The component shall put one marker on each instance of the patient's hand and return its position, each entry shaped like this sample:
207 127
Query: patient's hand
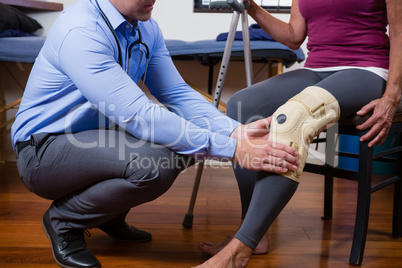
379 122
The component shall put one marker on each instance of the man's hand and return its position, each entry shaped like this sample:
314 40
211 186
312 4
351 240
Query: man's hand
255 152
264 155
255 130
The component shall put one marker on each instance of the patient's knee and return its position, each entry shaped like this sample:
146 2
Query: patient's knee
302 118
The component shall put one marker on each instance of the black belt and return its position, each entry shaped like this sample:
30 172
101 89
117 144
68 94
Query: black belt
22 145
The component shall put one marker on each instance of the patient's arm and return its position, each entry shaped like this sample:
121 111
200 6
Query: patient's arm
290 34
384 109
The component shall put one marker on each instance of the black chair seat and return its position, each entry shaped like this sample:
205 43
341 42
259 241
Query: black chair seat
355 120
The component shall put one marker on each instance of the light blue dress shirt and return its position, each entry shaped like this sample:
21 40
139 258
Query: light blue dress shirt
77 84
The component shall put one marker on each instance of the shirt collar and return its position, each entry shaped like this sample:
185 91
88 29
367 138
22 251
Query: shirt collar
128 29
116 19
113 15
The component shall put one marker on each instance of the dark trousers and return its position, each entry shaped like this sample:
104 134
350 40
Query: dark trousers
96 175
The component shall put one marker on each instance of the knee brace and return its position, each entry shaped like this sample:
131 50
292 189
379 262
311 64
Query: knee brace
302 118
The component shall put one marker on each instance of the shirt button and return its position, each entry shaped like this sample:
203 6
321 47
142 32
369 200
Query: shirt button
127 26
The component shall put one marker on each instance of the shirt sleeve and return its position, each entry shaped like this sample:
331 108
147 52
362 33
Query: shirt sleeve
105 84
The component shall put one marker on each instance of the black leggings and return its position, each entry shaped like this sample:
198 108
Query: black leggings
264 195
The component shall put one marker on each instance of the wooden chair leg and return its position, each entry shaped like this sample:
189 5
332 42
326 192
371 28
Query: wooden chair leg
363 204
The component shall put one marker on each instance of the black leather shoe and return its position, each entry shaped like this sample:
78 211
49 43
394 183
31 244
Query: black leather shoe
123 232
69 249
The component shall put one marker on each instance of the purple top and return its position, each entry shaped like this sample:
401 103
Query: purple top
346 33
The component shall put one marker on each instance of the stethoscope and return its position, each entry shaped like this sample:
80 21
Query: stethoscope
139 41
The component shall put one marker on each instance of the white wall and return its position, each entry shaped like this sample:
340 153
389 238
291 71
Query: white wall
175 17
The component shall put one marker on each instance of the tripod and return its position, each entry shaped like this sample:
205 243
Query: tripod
239 8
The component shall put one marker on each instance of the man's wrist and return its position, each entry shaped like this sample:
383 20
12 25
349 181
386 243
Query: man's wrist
235 134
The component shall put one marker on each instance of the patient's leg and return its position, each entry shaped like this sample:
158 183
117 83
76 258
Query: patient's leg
259 101
295 123
271 194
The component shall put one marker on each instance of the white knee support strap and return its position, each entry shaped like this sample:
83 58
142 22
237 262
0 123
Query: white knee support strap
302 118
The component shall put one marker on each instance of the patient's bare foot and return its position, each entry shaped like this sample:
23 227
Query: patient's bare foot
214 248
234 254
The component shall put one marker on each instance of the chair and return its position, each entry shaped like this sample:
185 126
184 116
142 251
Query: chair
363 177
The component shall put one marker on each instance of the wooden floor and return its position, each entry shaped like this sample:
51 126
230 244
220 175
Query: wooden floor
299 238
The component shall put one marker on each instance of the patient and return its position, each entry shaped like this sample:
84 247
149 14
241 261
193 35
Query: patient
353 67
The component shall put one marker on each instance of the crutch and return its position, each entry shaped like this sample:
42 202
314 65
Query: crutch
239 8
